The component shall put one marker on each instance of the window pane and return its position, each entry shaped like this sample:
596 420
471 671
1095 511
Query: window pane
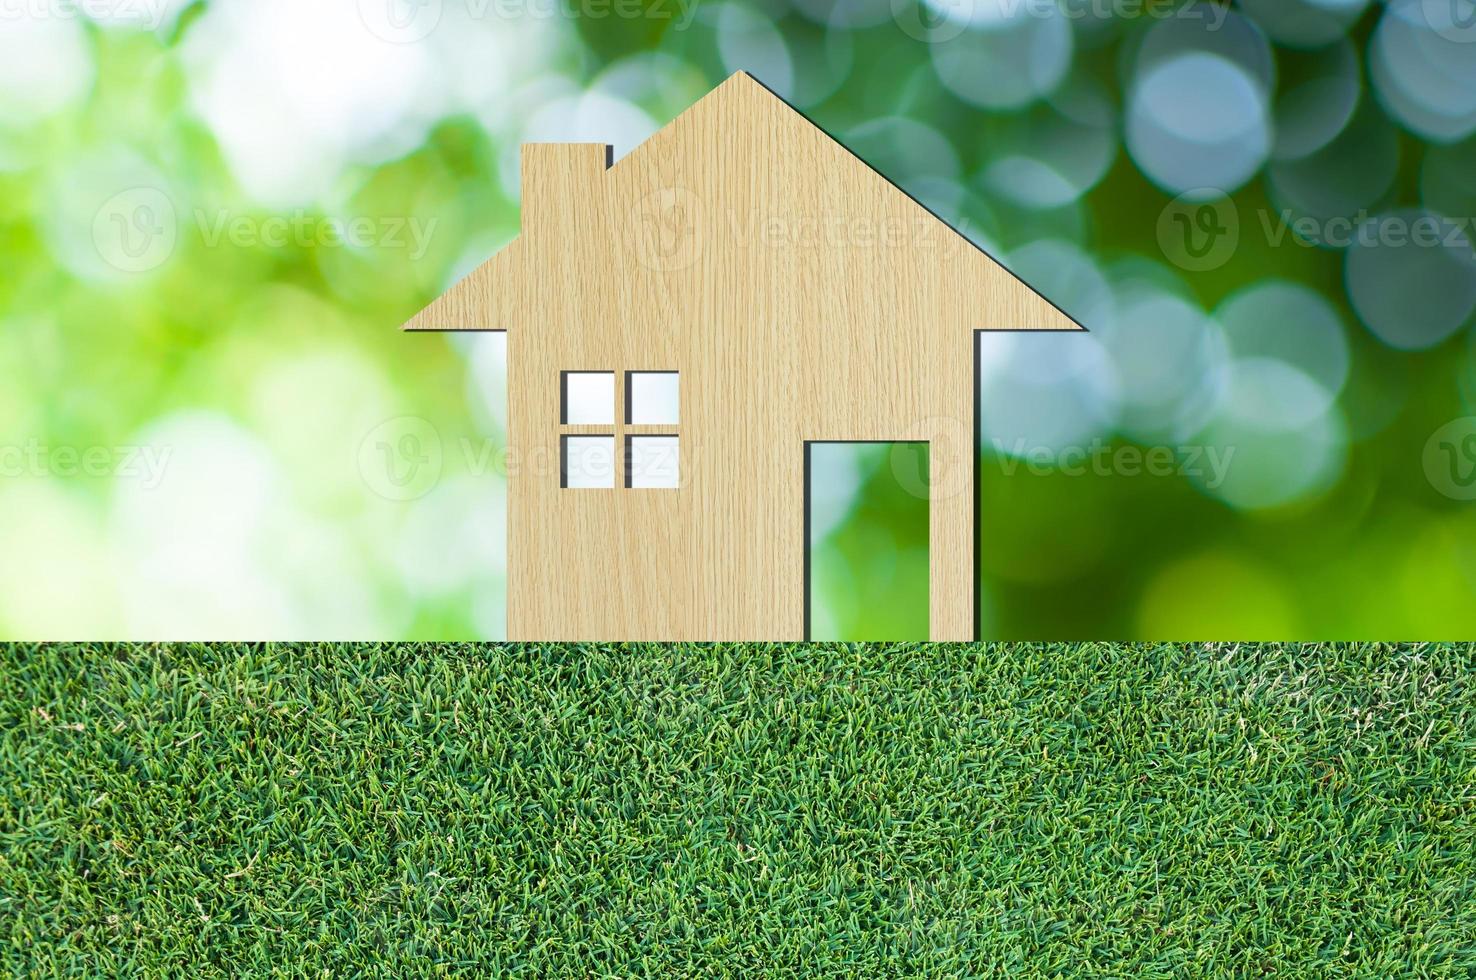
651 398
589 398
589 462
651 463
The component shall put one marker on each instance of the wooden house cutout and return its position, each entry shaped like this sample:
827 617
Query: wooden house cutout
790 295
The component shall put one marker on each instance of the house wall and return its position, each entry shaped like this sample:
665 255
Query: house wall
800 297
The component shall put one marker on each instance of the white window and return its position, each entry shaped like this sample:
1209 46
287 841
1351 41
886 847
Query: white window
651 397
589 398
651 463
589 462
648 450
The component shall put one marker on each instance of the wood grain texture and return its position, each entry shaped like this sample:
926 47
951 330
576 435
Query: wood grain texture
801 297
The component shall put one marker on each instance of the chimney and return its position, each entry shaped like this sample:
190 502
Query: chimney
557 178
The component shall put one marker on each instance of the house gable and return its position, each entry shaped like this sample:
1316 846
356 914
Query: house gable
497 293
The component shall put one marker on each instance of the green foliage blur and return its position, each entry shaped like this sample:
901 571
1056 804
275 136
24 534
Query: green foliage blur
869 555
214 216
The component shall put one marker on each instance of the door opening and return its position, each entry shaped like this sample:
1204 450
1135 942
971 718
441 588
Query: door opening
866 540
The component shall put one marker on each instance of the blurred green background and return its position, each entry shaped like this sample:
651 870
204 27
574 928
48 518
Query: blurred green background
213 217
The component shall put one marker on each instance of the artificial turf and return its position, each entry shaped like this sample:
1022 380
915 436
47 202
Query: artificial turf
349 810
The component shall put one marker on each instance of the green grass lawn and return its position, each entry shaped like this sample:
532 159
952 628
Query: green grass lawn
798 811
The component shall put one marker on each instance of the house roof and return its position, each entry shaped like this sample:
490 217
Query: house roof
477 302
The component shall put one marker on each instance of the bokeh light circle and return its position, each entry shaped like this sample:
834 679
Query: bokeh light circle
1313 112
1067 276
1290 322
1170 358
1032 399
1425 78
1305 23
46 66
906 151
1198 120
1052 154
1210 28
1411 277
1049 391
749 41
1273 435
1009 64
1332 185
113 216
